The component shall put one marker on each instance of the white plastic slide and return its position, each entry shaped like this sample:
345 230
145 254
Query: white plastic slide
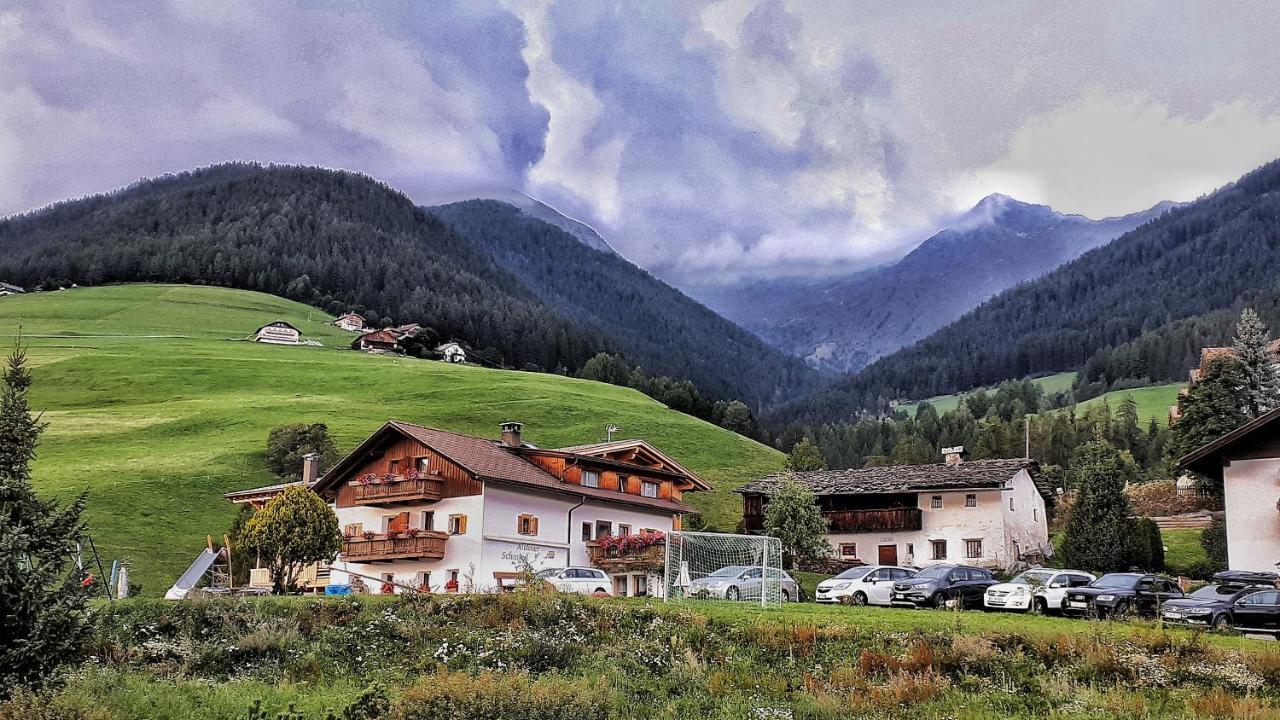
192 575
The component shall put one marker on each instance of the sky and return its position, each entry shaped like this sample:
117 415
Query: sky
710 142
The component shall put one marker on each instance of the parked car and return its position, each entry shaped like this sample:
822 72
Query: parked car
1257 612
1214 605
1122 593
935 585
741 582
583 580
862 585
1040 590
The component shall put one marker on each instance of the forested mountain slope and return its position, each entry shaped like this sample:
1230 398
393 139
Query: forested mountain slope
1192 260
343 241
847 322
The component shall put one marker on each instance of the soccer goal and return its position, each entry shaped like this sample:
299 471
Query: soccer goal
702 565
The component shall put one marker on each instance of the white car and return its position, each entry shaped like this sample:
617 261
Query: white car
582 580
862 585
1040 590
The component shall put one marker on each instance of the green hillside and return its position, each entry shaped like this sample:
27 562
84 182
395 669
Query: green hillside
1059 382
1153 401
156 405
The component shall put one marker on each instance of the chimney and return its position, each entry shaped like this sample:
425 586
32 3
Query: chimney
310 469
511 433
953 455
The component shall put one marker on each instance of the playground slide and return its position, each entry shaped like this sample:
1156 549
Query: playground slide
192 576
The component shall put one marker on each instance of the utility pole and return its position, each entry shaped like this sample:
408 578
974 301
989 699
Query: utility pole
1026 428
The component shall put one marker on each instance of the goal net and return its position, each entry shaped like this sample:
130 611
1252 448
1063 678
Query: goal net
720 566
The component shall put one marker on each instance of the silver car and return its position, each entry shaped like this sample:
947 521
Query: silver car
743 582
862 585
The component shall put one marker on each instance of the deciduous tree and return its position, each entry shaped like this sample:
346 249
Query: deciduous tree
295 529
792 515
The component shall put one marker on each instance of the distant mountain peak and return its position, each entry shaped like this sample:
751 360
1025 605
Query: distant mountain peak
992 208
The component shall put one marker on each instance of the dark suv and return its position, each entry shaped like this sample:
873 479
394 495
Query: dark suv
935 585
1120 594
1212 605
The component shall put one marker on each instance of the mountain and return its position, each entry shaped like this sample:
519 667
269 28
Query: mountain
844 323
1208 255
342 241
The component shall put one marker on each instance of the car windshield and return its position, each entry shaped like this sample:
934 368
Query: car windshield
730 571
853 573
543 574
937 571
1215 592
1032 578
1115 581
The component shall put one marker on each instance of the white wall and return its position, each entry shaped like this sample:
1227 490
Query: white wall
595 511
1025 526
1253 524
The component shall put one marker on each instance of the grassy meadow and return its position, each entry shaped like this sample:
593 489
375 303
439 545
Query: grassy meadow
1153 401
157 405
1051 384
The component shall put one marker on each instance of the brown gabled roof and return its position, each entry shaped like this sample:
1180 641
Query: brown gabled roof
604 448
265 491
968 475
488 460
1207 459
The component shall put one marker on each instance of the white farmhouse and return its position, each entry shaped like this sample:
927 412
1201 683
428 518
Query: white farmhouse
351 322
1247 463
278 333
452 352
976 512
423 507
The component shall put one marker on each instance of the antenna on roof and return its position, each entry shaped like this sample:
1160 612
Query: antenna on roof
609 430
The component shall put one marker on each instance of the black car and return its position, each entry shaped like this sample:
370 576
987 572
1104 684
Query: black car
1120 594
935 585
1212 605
1257 612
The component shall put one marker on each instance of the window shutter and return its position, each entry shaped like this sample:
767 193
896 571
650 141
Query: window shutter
534 525
400 523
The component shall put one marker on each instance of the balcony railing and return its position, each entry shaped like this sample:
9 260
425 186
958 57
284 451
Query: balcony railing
399 492
423 546
653 557
873 520
856 520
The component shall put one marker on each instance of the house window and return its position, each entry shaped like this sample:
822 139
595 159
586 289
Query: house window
527 525
424 581
604 528
939 549
936 502
971 500
394 467
428 520
1035 514
647 531
642 585
590 478
353 529
973 549
849 550
457 524
424 465
622 482
586 531
1010 503
649 489
911 553
624 529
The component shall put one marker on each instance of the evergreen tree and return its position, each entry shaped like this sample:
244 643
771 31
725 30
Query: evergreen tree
805 457
792 515
1214 542
288 444
1097 535
43 602
1261 384
1214 406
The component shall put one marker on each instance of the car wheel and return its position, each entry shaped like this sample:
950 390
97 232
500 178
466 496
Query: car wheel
859 598
786 596
600 590
731 594
1039 606
1222 623
939 600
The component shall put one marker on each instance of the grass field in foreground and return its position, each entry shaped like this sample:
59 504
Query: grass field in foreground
157 405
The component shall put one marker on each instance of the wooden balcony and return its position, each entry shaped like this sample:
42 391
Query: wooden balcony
423 546
873 520
650 558
401 492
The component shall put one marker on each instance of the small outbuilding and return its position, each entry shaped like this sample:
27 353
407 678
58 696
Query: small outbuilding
278 333
378 341
7 289
452 352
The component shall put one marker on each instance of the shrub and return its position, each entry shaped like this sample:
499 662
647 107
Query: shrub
1214 542
1160 498
457 696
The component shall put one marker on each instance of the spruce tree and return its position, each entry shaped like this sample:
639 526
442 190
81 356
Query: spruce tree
1098 532
1214 406
1262 386
43 601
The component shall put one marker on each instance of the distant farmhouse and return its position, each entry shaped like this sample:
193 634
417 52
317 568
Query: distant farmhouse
7 289
350 322
278 333
452 352
422 507
378 341
977 512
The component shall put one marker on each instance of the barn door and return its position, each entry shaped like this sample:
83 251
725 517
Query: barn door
888 555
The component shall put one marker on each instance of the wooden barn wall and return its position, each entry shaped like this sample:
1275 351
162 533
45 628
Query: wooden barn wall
457 482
